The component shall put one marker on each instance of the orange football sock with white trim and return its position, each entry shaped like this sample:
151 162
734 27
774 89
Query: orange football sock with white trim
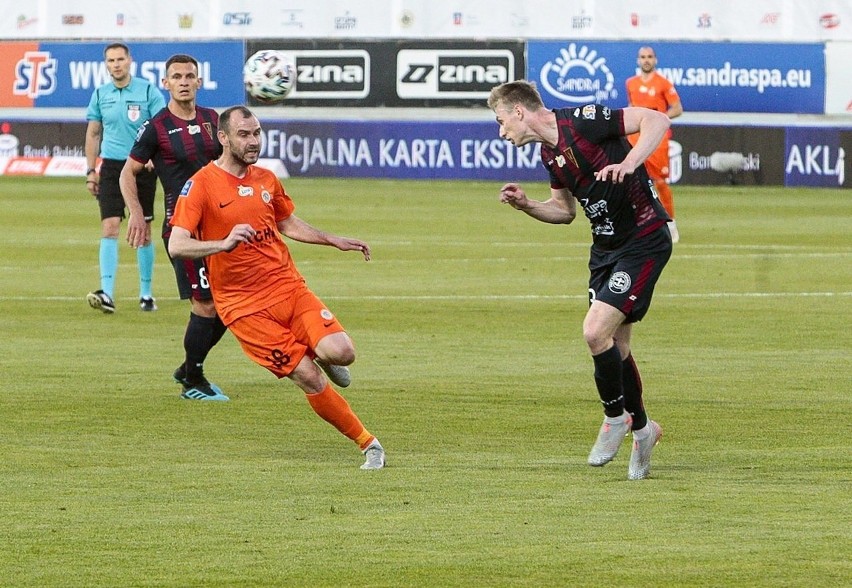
333 408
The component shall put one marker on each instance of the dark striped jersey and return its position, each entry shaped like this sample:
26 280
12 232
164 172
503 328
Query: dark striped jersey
178 148
590 138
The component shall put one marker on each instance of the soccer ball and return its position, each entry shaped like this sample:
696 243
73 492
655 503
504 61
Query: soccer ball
269 75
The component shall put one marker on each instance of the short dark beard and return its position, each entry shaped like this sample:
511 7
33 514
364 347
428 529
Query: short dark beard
242 160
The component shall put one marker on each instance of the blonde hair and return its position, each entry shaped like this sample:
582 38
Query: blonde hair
517 92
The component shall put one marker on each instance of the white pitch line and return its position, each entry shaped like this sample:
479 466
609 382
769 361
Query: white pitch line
579 257
484 296
760 249
585 296
584 257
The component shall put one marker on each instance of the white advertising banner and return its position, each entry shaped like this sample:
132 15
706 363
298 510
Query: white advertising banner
681 20
823 20
315 19
838 87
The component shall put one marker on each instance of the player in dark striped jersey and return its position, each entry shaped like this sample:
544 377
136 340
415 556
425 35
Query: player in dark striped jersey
590 161
180 140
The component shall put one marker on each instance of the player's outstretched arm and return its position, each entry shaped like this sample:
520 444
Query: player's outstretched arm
299 230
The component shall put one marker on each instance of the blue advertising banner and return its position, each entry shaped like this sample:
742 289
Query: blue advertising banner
709 77
814 156
67 73
399 149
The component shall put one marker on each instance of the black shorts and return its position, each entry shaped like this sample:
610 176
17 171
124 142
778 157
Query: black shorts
109 195
625 278
191 276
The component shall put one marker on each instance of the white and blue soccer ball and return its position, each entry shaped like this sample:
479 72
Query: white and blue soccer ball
269 75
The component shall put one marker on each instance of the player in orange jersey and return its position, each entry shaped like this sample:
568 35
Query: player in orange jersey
232 212
651 90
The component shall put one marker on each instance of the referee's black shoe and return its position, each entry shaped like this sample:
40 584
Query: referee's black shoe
147 304
100 300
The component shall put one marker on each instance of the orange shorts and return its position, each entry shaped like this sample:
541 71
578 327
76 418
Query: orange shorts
278 337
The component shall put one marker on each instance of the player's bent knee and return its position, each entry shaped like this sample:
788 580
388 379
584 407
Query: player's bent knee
337 349
205 308
344 356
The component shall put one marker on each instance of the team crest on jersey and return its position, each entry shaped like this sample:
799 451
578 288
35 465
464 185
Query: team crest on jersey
245 191
185 190
569 155
209 128
134 112
566 156
619 282
266 197
589 112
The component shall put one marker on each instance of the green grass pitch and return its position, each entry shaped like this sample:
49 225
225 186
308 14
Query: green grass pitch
473 373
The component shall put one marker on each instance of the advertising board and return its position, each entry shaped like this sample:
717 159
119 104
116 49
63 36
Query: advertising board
399 74
709 77
50 75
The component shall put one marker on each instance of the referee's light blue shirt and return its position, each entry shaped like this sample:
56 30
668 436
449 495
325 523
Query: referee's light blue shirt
122 111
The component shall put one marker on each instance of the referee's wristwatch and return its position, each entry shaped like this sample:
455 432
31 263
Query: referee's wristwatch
91 170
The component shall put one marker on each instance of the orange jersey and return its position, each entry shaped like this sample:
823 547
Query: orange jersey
251 277
657 93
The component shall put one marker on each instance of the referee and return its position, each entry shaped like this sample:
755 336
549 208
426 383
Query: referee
116 111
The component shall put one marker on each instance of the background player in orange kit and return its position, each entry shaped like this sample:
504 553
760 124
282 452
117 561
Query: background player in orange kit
232 212
651 90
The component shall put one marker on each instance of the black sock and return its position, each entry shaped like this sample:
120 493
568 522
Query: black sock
608 380
219 329
201 335
632 383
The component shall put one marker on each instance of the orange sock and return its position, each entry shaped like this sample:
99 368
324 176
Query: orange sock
333 408
665 194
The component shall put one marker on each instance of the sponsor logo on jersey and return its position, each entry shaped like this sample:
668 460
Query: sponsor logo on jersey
141 130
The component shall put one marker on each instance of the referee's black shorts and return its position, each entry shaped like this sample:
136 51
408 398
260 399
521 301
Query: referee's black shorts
109 194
